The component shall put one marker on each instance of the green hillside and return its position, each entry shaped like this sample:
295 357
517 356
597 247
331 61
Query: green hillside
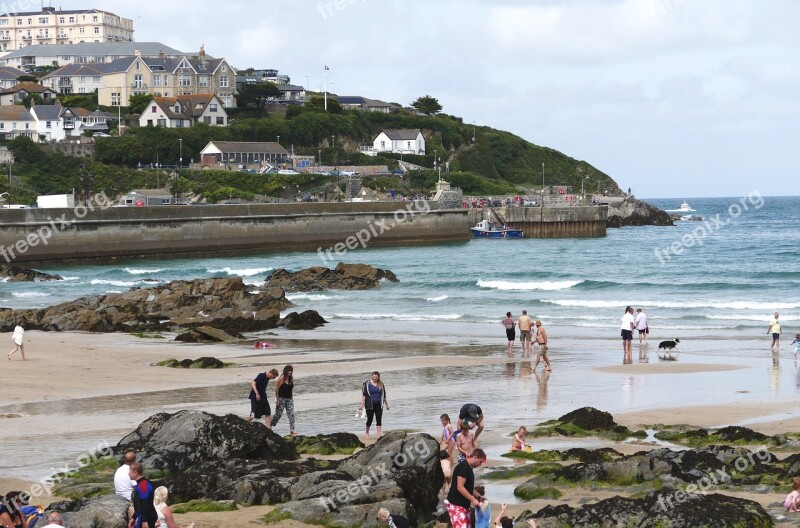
497 162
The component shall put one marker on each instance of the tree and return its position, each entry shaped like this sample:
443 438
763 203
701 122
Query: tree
138 102
27 78
427 105
257 95
317 104
33 99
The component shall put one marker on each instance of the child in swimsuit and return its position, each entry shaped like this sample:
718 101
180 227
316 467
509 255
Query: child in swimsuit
796 344
519 439
447 440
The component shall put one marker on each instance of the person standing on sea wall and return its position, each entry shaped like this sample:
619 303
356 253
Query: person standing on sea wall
525 323
511 333
775 329
626 330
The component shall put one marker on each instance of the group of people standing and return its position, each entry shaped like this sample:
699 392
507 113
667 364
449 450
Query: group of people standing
532 337
284 401
630 324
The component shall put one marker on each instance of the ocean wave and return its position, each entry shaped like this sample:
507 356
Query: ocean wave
70 279
400 317
437 299
526 286
759 318
119 283
245 272
28 295
143 271
309 297
767 307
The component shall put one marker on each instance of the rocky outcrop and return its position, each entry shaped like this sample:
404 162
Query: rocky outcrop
201 363
665 507
108 511
16 274
307 320
633 212
343 277
327 444
205 334
222 303
586 421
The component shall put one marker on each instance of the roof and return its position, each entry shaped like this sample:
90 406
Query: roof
249 146
289 88
7 72
14 113
152 49
49 112
151 192
27 86
76 69
402 133
57 12
363 101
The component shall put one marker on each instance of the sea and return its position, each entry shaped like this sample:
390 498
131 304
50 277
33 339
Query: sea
713 283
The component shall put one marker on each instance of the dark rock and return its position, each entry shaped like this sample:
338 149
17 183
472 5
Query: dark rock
733 433
590 419
665 507
327 444
307 320
344 277
222 303
17 274
178 441
633 212
108 511
206 334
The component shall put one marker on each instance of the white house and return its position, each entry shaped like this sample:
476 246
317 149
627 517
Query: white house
184 111
16 120
405 141
74 79
19 91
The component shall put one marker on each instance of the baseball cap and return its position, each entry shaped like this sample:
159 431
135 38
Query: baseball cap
473 412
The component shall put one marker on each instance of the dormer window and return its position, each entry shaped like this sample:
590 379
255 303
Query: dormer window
177 109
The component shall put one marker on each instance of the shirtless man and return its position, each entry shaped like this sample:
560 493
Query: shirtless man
525 322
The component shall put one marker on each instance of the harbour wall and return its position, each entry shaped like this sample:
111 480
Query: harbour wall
102 233
548 222
40 235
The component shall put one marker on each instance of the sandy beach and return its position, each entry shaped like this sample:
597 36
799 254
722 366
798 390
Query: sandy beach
76 390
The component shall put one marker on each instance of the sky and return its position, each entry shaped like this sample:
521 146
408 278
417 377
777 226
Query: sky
672 98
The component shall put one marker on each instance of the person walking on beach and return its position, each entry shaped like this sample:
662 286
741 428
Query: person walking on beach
259 402
525 323
774 328
509 324
144 511
641 325
626 330
541 353
283 398
17 339
460 497
373 398
472 414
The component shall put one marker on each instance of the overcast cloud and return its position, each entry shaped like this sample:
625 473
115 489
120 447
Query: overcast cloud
673 98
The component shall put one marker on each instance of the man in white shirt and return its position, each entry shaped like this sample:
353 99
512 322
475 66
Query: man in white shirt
626 330
123 485
641 325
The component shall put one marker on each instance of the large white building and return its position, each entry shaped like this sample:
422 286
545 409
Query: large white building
56 26
34 56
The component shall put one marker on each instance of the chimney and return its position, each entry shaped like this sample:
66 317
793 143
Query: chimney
137 52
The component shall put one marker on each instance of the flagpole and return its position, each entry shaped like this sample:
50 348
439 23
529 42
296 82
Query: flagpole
325 72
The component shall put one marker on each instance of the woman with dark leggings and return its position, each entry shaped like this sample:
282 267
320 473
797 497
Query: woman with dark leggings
373 398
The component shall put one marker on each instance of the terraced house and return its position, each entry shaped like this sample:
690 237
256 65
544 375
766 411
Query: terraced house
167 77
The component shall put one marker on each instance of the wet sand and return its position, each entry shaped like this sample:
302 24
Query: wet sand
77 390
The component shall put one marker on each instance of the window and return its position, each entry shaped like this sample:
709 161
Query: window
149 122
161 122
71 20
96 30
96 78
81 30
137 81
383 144
224 68
202 81
156 80
30 21
2 125
3 21
114 99
138 66
154 109
94 18
61 20
82 90
185 80
220 120
43 20
212 107
48 124
207 119
27 126
19 21
223 81
82 78
166 80
177 108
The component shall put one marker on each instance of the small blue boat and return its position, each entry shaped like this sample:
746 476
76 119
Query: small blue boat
487 229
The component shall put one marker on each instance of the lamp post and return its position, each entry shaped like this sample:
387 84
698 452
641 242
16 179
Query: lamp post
542 184
333 141
320 157
180 152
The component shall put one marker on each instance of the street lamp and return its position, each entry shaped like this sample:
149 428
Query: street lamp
279 140
333 141
180 150
542 184
320 157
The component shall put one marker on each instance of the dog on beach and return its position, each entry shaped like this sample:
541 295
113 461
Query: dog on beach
668 347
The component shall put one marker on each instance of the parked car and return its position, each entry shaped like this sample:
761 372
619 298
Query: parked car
288 171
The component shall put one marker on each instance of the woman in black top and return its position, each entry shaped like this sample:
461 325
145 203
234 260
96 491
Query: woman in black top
283 398
9 509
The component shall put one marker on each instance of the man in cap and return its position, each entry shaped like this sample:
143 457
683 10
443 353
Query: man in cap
472 414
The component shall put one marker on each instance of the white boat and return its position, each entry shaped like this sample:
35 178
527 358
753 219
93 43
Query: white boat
683 208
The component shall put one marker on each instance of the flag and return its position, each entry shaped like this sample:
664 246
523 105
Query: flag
327 68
